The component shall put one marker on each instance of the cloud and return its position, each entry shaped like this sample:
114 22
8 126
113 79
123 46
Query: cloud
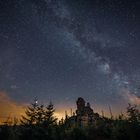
9 108
130 97
133 99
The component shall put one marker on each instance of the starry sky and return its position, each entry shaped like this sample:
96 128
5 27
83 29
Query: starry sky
59 50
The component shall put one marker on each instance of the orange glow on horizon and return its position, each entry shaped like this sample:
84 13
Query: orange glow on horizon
9 109
12 109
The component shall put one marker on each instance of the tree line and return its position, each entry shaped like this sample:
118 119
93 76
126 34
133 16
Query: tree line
39 123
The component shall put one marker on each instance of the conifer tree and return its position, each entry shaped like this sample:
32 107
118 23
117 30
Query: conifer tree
133 113
31 114
40 114
49 118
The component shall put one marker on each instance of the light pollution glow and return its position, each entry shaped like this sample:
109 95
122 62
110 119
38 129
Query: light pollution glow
11 109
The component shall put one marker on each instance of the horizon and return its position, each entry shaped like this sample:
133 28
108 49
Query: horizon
60 112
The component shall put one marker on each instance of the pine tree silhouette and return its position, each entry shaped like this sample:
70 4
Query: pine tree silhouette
31 114
49 118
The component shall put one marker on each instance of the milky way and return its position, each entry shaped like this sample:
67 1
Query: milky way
60 50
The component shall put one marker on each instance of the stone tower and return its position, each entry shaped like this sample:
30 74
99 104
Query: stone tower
84 114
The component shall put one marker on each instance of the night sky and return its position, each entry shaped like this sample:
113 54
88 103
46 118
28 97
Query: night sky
63 49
